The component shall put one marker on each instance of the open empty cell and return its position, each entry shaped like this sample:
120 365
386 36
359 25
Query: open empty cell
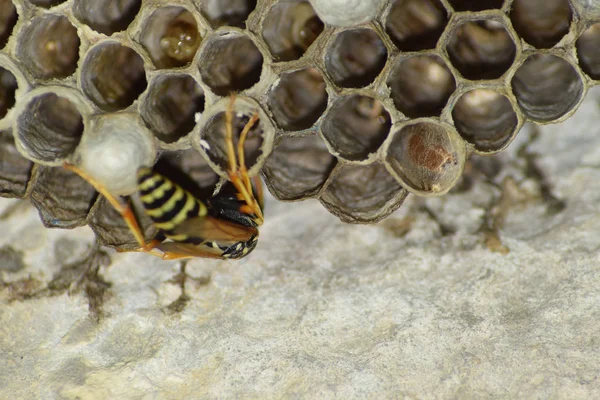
230 63
486 119
355 57
475 5
356 126
290 28
363 193
298 167
547 87
106 16
8 20
426 157
421 85
415 25
541 23
227 12
46 3
8 87
588 51
298 99
481 49
171 106
171 37
48 127
113 76
49 47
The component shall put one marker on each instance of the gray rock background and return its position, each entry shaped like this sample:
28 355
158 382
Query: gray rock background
426 304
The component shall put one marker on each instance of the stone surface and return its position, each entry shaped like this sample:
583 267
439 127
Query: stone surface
420 305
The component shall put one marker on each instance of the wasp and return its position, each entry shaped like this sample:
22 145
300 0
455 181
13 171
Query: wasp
224 226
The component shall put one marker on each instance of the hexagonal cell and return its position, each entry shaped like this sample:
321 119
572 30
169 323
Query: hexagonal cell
421 85
481 49
355 57
62 197
46 3
475 5
170 106
587 51
290 28
8 87
15 170
426 156
415 25
541 23
356 126
48 125
363 193
298 167
298 99
49 47
8 20
547 87
106 16
113 76
171 37
227 12
231 62
211 140
485 118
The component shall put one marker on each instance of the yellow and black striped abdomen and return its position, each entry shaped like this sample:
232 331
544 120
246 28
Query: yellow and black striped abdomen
167 203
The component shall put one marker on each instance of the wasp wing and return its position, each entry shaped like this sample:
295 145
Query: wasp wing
214 229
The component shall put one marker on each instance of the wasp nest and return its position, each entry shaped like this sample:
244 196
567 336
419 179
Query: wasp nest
356 116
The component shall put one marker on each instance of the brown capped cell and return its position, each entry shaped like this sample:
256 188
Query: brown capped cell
355 57
231 62
106 16
298 167
421 85
113 75
8 20
547 87
171 37
362 193
299 99
290 28
481 49
588 51
15 170
415 25
227 12
426 156
475 5
541 23
49 47
355 126
485 118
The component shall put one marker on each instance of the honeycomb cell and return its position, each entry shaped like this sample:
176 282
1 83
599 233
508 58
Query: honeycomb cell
8 88
427 157
170 106
290 28
541 23
298 167
415 25
481 49
231 62
298 99
356 126
421 85
355 58
8 20
15 170
227 12
547 87
46 3
106 16
475 5
363 193
49 47
588 53
48 124
485 118
171 37
113 76
62 197
211 140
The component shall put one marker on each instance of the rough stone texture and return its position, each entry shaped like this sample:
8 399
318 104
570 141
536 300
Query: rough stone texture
413 307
